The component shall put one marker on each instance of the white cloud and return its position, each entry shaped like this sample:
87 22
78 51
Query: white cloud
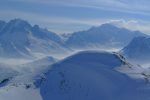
132 25
64 24
128 6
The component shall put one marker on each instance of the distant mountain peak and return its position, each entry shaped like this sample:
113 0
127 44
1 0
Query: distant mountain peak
19 23
138 49
36 27
18 20
139 41
108 25
104 26
104 36
19 38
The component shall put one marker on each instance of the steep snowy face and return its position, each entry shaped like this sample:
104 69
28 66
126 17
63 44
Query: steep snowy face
105 35
138 49
45 34
14 38
19 39
16 25
91 76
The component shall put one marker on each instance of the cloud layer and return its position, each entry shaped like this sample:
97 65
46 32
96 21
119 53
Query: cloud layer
73 15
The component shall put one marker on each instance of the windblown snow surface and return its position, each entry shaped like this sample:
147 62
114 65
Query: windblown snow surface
17 81
94 75
87 75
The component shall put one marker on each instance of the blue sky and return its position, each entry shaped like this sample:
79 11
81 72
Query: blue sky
64 16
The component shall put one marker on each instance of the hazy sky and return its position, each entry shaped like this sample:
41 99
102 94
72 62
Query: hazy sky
74 15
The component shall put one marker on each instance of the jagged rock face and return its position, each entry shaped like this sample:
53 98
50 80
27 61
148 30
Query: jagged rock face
87 76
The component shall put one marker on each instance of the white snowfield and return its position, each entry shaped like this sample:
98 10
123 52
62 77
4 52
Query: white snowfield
93 76
20 85
87 75
19 93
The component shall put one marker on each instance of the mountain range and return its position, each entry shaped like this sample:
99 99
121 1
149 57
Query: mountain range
18 38
104 36
79 75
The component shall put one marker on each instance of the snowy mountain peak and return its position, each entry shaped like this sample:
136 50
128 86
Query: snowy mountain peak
19 38
104 36
108 25
138 49
19 23
16 26
36 27
90 75
105 26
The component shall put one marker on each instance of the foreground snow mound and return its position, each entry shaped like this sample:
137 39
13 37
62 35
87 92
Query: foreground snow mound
91 76
138 50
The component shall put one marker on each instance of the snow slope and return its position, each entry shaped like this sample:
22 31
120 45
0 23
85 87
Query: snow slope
30 71
91 75
87 75
19 93
17 82
138 50
6 74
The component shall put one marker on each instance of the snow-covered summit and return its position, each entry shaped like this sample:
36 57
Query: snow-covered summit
20 39
104 36
138 49
91 76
